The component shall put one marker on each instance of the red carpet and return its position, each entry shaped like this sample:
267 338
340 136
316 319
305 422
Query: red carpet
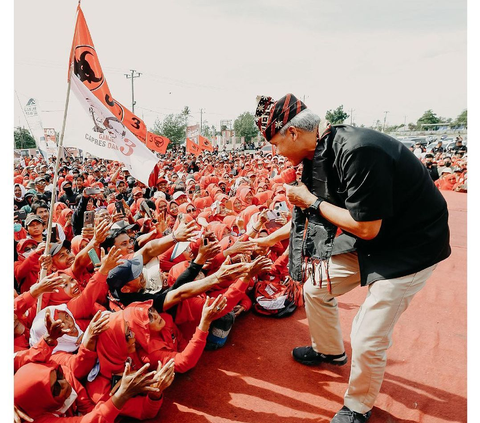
254 379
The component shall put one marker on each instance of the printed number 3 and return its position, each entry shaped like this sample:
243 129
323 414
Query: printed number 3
128 144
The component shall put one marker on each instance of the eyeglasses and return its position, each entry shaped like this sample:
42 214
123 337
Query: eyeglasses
26 250
191 210
129 335
57 388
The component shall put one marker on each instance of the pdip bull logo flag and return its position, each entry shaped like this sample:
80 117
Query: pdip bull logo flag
106 128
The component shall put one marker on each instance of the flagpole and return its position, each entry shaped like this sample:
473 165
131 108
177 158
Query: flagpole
43 271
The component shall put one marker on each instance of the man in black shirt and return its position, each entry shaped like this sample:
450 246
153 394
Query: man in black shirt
432 168
395 230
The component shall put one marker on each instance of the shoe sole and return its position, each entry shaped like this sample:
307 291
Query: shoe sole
317 362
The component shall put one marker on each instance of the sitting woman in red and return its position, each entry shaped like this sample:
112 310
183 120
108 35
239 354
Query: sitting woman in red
115 347
158 339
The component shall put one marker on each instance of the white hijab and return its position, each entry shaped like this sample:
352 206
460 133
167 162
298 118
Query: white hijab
66 342
23 189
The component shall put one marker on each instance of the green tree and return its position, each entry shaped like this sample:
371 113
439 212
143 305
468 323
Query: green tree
461 119
244 126
429 118
208 131
173 126
23 138
336 116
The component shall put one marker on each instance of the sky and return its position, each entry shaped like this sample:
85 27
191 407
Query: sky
216 56
370 56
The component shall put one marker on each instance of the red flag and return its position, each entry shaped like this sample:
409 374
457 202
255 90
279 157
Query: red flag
191 147
87 66
153 178
157 142
204 144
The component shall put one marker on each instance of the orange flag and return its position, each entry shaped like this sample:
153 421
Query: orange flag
191 147
87 66
204 144
157 142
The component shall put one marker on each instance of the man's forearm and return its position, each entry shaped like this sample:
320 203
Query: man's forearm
155 247
280 234
189 290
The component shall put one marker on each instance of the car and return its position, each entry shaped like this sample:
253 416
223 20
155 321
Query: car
267 148
407 143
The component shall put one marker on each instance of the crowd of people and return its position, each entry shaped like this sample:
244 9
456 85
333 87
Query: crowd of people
138 280
447 168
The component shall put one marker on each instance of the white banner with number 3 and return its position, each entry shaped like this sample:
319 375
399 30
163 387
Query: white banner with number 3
93 128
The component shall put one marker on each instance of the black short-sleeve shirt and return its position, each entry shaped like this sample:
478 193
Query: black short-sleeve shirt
379 178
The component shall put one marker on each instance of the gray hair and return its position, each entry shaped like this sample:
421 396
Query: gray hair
306 120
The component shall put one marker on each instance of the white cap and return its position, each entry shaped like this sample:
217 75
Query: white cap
178 194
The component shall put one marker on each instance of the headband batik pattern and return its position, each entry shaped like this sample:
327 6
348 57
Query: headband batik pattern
271 116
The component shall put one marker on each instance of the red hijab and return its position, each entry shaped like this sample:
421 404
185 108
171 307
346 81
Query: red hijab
62 219
32 391
112 347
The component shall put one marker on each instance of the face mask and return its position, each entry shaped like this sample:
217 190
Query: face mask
27 253
17 227
68 402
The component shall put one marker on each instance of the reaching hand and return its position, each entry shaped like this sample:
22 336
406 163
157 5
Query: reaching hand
97 325
19 415
231 272
47 284
207 250
161 224
185 231
110 261
88 233
133 383
260 265
241 247
55 329
211 308
101 231
162 379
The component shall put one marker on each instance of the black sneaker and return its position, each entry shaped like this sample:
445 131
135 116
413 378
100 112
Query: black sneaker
308 356
345 415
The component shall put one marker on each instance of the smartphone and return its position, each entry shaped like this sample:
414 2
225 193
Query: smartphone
197 188
92 191
21 214
146 209
54 236
93 256
273 214
88 219
119 207
282 206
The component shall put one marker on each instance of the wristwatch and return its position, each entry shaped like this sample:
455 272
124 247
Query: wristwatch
314 208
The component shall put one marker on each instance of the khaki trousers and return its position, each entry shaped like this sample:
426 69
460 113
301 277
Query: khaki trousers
372 327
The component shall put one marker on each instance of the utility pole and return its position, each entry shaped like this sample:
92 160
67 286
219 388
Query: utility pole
351 116
132 76
385 120
201 115
405 123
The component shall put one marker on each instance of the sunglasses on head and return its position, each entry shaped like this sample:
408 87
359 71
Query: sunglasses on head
57 388
191 210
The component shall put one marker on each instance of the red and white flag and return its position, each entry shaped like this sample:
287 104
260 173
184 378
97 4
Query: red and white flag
104 128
